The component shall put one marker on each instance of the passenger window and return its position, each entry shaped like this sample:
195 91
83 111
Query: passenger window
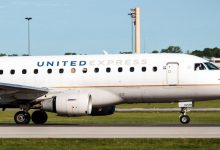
96 70
84 70
73 70
12 71
61 70
131 69
108 69
1 71
24 71
49 71
35 71
199 66
120 69
154 69
143 69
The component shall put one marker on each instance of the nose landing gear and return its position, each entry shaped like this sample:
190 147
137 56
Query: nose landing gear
184 118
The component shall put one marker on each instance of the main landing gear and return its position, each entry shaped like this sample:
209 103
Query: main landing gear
38 117
184 118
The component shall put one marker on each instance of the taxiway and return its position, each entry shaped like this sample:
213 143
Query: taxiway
75 131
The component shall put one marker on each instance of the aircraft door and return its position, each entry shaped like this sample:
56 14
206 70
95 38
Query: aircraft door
172 73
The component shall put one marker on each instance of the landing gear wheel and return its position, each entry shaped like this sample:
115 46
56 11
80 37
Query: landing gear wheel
184 119
22 117
39 117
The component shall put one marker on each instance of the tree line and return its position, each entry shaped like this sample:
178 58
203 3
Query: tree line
206 52
4 54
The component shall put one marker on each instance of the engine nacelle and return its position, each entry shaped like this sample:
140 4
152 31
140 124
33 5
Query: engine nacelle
103 111
69 103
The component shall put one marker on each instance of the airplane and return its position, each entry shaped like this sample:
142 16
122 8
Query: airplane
80 85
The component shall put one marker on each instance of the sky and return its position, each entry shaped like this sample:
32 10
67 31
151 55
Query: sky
91 26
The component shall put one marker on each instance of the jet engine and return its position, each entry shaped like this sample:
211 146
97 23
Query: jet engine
69 104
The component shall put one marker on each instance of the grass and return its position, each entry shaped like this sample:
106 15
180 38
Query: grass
109 144
139 118
201 104
125 118
119 118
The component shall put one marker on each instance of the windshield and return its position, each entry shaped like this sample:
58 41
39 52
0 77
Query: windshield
211 66
199 66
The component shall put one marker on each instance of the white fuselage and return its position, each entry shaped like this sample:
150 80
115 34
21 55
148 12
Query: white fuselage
114 79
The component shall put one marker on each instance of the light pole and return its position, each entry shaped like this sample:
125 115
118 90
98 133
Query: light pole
132 14
135 16
28 19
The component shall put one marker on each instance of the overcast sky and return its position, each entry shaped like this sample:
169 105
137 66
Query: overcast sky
90 26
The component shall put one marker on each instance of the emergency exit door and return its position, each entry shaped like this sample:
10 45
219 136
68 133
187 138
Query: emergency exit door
172 73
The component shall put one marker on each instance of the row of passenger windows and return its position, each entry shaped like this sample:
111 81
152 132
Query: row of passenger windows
84 70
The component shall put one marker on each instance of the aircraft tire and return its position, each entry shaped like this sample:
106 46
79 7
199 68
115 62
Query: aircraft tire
22 117
184 119
39 117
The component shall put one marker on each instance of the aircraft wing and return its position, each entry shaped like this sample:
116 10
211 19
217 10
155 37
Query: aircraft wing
21 92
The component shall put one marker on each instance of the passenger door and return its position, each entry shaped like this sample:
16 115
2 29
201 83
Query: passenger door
172 73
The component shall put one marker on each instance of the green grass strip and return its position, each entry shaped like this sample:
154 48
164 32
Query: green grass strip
109 144
126 118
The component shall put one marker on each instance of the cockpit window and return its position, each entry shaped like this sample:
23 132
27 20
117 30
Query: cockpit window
199 66
211 66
